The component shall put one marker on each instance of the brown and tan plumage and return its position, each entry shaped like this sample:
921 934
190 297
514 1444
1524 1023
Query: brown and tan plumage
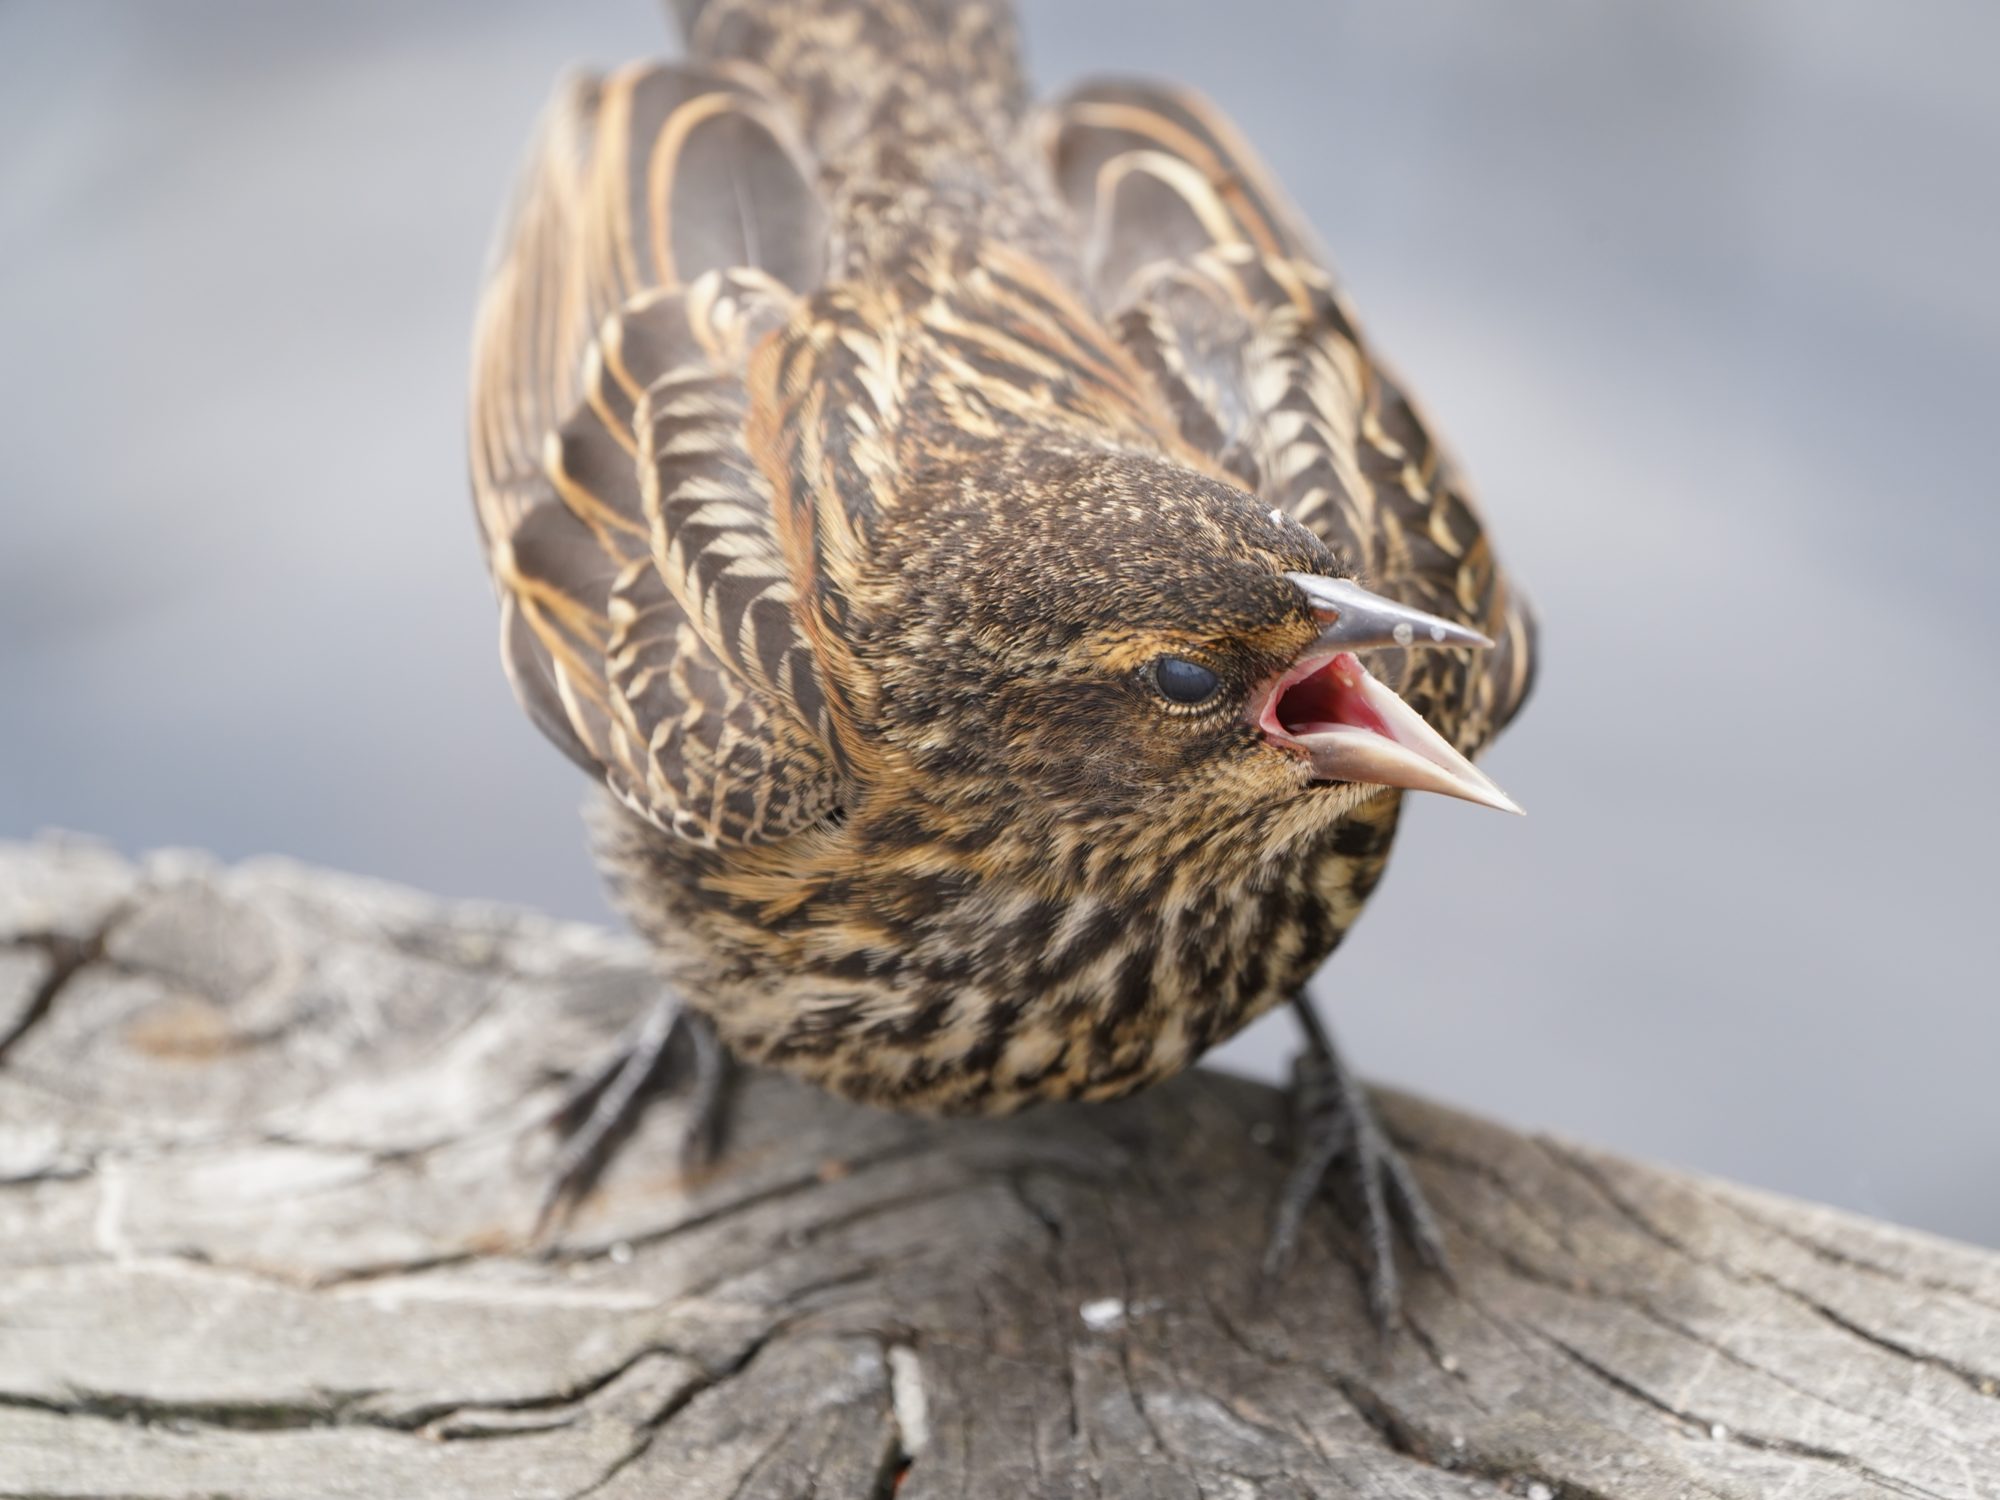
929 517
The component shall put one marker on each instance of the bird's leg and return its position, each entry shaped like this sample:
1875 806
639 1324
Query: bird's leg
1340 1144
671 1048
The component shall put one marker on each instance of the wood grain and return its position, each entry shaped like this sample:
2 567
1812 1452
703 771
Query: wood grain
270 1139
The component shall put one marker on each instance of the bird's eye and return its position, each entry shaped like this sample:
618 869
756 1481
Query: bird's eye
1182 681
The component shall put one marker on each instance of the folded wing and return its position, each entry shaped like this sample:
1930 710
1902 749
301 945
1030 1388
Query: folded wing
664 224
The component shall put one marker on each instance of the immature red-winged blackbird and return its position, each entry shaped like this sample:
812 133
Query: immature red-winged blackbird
937 522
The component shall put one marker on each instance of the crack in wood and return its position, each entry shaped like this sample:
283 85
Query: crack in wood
1981 1382
1720 1432
67 957
768 1329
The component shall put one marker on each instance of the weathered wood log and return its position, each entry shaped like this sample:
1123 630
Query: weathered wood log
270 1141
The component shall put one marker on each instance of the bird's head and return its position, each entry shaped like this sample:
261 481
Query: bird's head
1113 644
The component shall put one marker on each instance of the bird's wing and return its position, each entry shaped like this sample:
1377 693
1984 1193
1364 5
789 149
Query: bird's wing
664 223
1208 276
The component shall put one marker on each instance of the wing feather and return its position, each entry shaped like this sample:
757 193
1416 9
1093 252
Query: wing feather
664 224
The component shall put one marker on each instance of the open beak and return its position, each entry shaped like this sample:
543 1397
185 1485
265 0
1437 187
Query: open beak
1347 725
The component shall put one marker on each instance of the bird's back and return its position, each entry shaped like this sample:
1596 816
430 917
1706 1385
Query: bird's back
911 110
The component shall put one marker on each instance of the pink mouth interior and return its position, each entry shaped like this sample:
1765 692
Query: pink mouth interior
1328 697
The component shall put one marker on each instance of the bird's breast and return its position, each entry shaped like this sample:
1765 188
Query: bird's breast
950 992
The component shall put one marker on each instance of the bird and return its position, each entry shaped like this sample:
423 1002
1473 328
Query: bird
1000 592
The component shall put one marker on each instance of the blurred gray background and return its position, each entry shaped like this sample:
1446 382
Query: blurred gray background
1704 290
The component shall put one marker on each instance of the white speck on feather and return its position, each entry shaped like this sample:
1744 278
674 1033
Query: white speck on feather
906 1396
1718 1432
1105 1312
620 1252
1277 516
1540 1492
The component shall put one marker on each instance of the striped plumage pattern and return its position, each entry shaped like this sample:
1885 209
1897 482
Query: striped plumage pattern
1210 281
844 437
647 609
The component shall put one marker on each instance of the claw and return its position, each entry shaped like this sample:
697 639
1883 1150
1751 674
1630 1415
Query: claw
597 1116
1336 1123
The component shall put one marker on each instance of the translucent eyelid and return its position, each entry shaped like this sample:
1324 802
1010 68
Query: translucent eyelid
1184 682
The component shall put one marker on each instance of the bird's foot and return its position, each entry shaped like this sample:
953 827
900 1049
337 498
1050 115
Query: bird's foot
670 1050
1342 1148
